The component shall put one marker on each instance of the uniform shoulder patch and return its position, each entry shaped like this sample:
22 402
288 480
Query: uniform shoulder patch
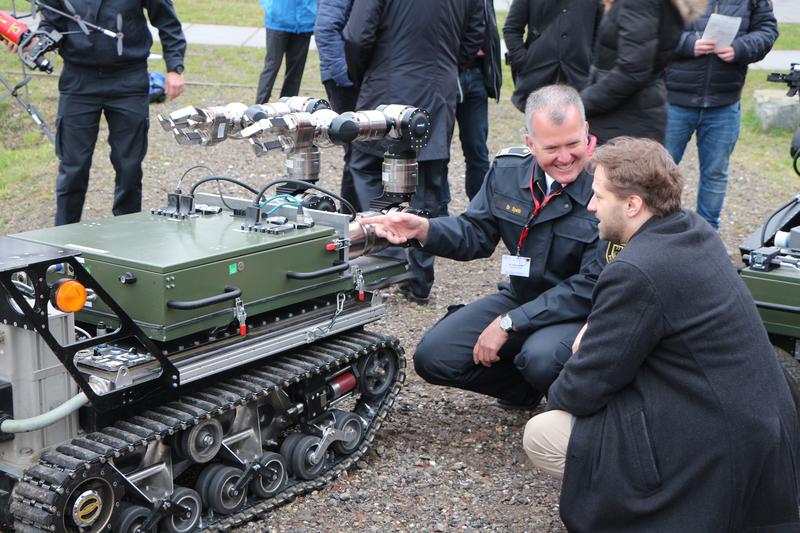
518 151
612 249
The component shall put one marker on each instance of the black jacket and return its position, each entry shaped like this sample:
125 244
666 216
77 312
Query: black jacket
562 241
684 420
407 52
490 64
626 93
98 50
707 81
563 49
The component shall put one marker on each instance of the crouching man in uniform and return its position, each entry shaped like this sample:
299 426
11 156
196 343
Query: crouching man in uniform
512 344
673 414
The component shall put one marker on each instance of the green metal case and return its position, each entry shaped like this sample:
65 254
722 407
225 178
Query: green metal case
773 290
145 261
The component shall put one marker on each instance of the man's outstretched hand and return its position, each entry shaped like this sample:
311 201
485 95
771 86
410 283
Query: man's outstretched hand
399 228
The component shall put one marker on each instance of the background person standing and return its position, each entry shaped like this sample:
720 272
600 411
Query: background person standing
290 24
342 93
704 89
479 78
407 51
557 47
635 42
97 80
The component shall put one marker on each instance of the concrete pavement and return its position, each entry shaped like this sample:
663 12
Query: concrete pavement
787 10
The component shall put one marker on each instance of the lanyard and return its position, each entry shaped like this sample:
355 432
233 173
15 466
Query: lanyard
537 206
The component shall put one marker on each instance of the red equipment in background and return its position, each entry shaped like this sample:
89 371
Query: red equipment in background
32 50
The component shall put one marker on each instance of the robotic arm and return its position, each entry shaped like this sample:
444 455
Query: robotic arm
212 125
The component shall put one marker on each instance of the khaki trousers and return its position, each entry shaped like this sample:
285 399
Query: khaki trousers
545 441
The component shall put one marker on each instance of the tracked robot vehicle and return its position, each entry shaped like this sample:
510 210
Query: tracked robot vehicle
193 367
772 260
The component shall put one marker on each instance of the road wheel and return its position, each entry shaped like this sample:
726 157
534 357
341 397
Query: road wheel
272 477
350 424
303 464
184 522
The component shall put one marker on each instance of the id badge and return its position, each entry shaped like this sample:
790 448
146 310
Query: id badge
515 265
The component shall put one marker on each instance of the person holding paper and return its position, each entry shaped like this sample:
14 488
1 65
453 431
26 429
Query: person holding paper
512 344
704 89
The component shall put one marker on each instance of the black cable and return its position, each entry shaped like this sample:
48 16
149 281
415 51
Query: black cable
222 198
194 167
307 185
788 204
222 178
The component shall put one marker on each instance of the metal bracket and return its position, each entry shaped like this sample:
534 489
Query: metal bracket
24 311
323 331
329 436
358 281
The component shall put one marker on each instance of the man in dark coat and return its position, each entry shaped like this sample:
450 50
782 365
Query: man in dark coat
342 93
673 414
557 47
97 80
407 52
479 78
704 86
512 344
635 41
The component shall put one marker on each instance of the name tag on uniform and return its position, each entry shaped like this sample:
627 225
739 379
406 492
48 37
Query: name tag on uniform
514 265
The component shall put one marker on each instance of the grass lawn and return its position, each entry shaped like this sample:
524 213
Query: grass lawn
789 38
230 12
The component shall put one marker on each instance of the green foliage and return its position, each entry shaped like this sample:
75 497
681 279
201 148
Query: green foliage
15 164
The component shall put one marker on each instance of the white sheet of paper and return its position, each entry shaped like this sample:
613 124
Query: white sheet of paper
722 29
514 265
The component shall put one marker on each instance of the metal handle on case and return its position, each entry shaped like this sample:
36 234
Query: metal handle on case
230 293
318 273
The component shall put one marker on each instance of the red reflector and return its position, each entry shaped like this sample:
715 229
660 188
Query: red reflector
360 296
331 247
243 330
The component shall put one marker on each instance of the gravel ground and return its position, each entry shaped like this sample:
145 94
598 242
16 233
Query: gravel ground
445 460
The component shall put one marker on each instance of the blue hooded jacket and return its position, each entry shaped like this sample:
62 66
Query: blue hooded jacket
292 16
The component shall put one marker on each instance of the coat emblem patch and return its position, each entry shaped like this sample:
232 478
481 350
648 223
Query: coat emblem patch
612 249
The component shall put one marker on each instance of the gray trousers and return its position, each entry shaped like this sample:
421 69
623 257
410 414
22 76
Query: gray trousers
295 47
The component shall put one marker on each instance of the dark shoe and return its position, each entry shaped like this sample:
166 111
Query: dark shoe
525 406
409 295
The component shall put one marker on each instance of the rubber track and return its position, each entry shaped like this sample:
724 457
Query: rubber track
40 496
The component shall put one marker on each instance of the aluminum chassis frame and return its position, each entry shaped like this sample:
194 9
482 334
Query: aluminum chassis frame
17 255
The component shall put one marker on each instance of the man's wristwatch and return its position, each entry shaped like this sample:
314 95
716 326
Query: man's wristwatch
178 69
506 324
